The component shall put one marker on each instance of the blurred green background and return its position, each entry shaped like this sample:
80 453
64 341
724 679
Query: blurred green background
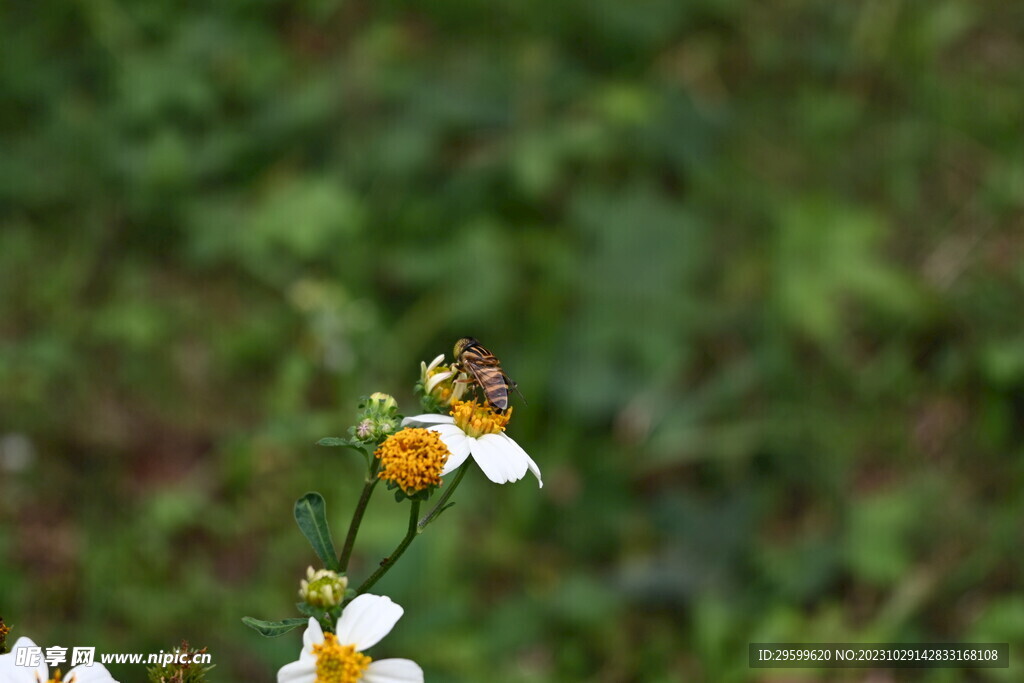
758 268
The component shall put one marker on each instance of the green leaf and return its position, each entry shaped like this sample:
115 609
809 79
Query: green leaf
272 629
336 441
331 441
309 610
311 516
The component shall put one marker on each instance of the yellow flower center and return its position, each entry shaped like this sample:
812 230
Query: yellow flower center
57 678
337 663
476 419
412 458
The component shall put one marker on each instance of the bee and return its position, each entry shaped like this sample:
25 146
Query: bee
485 370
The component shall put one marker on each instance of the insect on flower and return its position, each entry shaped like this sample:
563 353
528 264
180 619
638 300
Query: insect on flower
484 369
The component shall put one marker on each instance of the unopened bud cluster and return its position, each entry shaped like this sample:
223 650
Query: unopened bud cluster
323 588
378 418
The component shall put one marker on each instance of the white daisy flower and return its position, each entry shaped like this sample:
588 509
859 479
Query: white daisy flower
476 430
338 658
10 672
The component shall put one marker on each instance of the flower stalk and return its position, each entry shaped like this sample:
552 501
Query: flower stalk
357 515
442 502
416 528
391 559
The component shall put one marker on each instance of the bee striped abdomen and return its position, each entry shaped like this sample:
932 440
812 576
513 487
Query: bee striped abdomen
485 370
493 382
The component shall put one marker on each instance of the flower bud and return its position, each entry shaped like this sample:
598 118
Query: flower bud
437 386
382 403
323 588
364 430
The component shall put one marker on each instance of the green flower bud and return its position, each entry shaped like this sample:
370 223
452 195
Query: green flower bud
381 404
323 588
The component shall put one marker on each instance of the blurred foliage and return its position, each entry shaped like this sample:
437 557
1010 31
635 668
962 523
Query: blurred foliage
758 268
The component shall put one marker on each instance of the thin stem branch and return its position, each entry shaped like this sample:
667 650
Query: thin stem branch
437 509
357 516
390 560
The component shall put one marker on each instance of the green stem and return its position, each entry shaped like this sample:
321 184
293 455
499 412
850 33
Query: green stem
357 516
390 560
439 508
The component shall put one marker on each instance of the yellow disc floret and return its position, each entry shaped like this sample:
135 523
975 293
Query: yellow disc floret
413 459
337 663
476 419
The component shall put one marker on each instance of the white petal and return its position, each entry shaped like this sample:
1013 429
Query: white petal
434 363
437 379
97 673
313 635
529 461
297 672
514 458
393 671
366 620
499 463
10 673
428 419
458 445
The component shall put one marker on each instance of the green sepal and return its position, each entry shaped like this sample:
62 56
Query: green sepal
311 516
430 404
423 495
273 629
401 495
310 610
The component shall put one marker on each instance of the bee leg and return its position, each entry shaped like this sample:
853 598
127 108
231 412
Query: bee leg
515 388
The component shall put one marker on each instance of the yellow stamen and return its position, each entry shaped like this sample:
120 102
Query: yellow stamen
57 678
412 458
337 663
476 419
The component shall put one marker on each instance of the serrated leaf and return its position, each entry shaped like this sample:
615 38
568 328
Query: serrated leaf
311 516
273 629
